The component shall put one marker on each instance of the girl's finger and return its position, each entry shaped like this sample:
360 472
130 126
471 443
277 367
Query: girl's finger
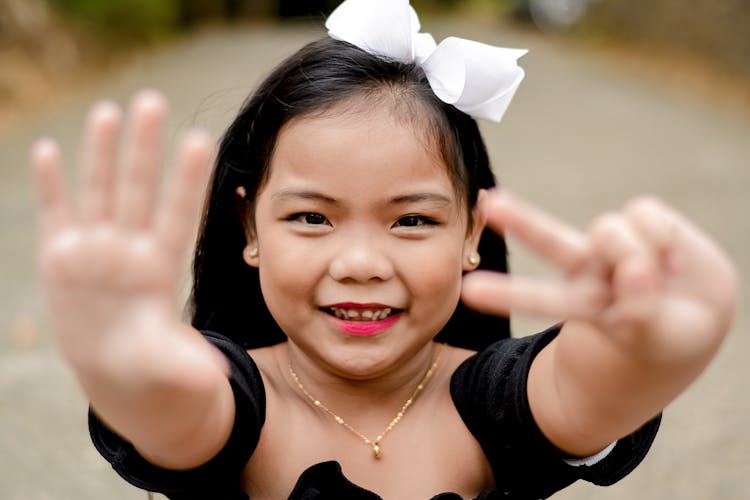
501 294
687 254
614 239
98 162
177 221
674 235
53 210
138 190
656 222
555 241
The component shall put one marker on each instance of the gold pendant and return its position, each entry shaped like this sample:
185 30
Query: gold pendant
376 449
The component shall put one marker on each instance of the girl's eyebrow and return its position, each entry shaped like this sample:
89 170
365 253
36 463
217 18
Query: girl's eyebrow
304 194
437 198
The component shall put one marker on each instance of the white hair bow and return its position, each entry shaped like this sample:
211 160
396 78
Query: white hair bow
476 78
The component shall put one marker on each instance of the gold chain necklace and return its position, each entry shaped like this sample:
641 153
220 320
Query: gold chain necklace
375 443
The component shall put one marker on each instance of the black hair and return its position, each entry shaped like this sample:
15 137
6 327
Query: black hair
226 295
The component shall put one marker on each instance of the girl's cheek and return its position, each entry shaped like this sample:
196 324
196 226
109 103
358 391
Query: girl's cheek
435 270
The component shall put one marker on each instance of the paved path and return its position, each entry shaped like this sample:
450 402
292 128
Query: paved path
583 136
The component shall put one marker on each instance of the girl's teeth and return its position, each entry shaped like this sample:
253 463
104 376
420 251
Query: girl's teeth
361 315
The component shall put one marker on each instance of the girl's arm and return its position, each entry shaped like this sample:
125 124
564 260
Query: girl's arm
111 261
647 297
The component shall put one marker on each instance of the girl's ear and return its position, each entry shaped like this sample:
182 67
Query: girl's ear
250 252
479 221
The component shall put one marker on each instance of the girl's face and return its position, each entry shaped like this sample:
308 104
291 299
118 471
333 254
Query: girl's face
361 241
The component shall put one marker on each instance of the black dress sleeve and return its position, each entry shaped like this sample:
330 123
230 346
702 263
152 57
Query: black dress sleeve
220 477
489 391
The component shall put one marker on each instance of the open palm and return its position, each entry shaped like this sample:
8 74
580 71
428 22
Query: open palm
112 257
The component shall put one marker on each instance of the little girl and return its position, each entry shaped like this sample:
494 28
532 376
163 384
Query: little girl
328 356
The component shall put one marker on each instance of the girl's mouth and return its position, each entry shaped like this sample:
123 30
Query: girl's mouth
362 319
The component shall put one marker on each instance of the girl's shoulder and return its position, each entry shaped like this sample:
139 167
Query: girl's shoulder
452 358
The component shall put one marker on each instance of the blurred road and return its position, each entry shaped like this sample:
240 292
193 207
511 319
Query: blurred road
583 135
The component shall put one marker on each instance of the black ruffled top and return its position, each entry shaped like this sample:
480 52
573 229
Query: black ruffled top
488 390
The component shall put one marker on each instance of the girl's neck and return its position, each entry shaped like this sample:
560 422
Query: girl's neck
391 387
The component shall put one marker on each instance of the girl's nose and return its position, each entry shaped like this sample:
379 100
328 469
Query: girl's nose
361 261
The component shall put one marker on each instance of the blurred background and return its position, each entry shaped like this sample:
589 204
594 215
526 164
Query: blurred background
45 43
621 98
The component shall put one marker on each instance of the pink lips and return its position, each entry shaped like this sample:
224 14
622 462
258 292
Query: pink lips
364 328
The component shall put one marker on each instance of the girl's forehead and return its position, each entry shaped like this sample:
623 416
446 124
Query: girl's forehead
373 147
381 110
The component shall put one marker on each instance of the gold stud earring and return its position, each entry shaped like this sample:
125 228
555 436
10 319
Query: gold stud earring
474 259
251 252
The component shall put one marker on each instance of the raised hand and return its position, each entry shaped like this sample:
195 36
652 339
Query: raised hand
112 259
645 277
646 297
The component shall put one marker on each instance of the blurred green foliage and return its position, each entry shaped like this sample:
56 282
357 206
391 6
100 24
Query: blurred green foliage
137 19
152 18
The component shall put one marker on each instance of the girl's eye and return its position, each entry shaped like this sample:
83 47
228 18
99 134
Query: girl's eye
311 218
415 221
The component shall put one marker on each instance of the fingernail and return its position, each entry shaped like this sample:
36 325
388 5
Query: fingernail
43 149
150 98
105 109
